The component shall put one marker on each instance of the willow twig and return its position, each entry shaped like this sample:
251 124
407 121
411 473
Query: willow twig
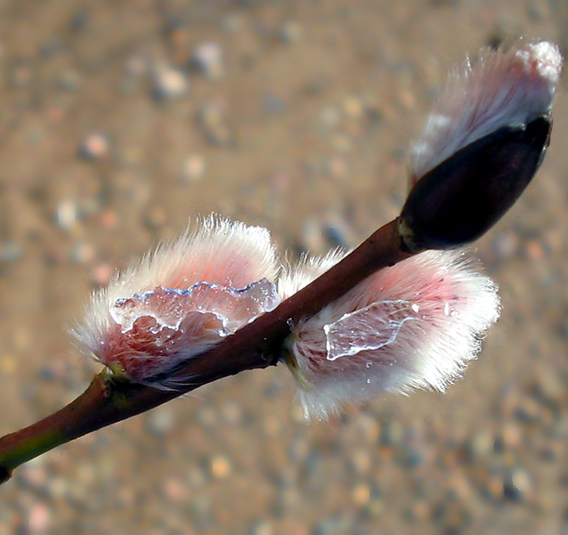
108 400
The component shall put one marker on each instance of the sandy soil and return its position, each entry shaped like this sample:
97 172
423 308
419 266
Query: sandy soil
110 141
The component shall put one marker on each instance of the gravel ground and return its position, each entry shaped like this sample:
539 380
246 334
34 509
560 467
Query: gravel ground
120 121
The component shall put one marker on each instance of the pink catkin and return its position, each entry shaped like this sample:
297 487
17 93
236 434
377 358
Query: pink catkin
414 325
181 300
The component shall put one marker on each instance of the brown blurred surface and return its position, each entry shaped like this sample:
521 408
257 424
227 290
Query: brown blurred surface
111 140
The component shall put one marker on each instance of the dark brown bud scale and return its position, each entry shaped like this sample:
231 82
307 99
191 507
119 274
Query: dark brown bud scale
461 198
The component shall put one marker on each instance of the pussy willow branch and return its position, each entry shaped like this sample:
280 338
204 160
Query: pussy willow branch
108 400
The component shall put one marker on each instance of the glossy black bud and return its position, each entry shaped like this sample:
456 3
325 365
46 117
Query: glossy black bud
461 198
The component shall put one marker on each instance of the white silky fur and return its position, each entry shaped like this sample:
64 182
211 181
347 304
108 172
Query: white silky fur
438 308
217 251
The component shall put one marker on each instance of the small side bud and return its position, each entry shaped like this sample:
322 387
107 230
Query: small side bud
480 147
413 325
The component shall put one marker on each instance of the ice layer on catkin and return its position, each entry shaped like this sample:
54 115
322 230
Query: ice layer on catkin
181 300
502 88
413 325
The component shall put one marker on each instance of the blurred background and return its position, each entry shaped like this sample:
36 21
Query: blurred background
120 121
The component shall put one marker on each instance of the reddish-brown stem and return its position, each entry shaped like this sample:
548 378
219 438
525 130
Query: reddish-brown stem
257 345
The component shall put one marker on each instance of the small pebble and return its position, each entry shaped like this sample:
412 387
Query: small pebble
552 451
155 218
174 490
232 413
66 214
361 494
58 487
193 169
510 437
312 238
528 411
108 219
180 38
82 253
517 485
535 250
208 59
220 467
392 433
505 245
353 107
39 519
548 387
491 487
336 233
55 114
297 414
169 83
369 428
101 274
410 457
95 147
52 371
160 421
481 445
211 118
361 461
8 363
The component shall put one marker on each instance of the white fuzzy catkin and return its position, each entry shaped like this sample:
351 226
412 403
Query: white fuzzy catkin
413 325
502 88
181 300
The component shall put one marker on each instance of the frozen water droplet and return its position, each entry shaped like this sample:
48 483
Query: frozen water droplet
367 329
368 381
415 307
368 365
234 307
449 310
